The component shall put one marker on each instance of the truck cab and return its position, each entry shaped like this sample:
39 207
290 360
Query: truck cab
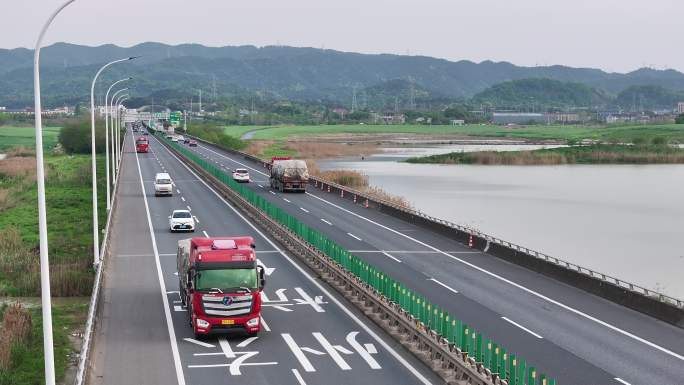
141 144
220 284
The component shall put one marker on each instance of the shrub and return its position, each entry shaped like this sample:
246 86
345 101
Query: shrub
215 134
679 119
75 137
659 141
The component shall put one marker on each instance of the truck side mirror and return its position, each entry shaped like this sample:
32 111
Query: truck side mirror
253 245
262 280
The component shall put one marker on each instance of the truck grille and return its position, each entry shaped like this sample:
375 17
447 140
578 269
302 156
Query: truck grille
239 305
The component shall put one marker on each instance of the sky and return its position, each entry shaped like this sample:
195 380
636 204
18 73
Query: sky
614 35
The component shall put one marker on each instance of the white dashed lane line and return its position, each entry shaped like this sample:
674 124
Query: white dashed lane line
183 199
443 285
189 208
205 233
303 209
521 327
287 200
354 236
272 192
390 256
326 221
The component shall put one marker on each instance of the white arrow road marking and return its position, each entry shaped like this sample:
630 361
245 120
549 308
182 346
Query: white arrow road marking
267 270
307 300
247 342
299 354
178 308
225 348
200 343
298 377
313 351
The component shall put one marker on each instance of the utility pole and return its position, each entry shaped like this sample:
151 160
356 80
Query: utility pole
213 86
354 106
200 100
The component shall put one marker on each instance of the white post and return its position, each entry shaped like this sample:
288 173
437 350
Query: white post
116 125
46 303
96 230
107 147
114 151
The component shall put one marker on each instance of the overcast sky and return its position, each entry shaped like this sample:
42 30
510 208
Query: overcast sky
615 35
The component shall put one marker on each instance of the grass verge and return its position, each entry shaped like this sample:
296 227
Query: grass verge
594 154
11 137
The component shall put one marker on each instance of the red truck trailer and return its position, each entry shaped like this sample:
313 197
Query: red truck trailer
220 284
141 144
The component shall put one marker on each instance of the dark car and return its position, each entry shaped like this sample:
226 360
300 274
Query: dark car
186 140
145 133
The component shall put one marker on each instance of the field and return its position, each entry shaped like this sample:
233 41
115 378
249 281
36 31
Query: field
671 132
25 137
593 154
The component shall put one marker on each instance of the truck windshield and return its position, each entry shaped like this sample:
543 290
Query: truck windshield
141 141
226 279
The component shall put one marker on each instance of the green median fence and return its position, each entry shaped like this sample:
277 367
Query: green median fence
494 357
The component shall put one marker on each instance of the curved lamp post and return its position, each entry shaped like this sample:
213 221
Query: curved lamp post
107 163
115 152
42 216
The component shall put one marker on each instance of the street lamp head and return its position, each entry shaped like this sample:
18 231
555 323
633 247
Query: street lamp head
133 57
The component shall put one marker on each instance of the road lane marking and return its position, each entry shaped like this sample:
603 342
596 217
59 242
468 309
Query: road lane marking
620 380
272 192
178 308
247 342
177 190
205 233
298 377
264 324
514 284
196 219
522 327
287 200
326 221
443 285
261 186
183 199
189 208
303 209
354 236
388 255
398 357
299 354
200 343
165 301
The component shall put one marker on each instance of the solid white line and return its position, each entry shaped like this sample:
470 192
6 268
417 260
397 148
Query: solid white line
316 283
517 285
620 380
522 327
354 236
162 286
303 209
443 285
287 200
205 233
325 221
200 343
388 255
298 377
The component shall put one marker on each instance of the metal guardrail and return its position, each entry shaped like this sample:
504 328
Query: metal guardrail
664 298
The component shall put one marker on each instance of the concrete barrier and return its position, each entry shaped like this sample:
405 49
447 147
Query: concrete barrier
647 301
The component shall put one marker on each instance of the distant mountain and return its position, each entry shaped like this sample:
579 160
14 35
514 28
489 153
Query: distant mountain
305 74
648 97
547 93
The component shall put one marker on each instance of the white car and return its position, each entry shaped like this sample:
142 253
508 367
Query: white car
181 220
163 185
241 175
174 139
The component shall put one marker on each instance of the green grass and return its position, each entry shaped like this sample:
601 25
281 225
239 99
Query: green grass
277 149
25 137
569 132
593 154
69 219
27 358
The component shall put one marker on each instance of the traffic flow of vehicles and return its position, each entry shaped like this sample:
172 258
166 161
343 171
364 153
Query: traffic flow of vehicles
220 284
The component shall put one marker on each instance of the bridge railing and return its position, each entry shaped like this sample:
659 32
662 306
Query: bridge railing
505 367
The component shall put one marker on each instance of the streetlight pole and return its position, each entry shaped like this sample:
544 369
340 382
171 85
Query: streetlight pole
118 110
117 131
115 153
107 140
96 235
46 304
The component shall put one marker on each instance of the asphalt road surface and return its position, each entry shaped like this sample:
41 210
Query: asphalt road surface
310 334
569 334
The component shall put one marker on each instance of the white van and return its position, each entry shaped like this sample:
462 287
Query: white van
163 184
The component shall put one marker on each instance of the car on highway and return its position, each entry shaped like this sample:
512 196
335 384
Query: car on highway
186 140
193 143
168 136
145 133
241 175
181 220
174 139
163 185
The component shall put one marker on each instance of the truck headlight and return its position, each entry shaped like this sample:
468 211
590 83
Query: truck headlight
202 323
253 322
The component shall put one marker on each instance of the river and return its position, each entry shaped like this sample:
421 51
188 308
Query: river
623 220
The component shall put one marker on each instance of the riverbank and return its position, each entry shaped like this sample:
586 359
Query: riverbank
592 154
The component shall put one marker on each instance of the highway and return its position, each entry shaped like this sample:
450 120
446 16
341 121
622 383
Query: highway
573 336
311 335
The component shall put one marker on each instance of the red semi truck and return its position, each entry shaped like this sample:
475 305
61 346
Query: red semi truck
141 144
220 284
